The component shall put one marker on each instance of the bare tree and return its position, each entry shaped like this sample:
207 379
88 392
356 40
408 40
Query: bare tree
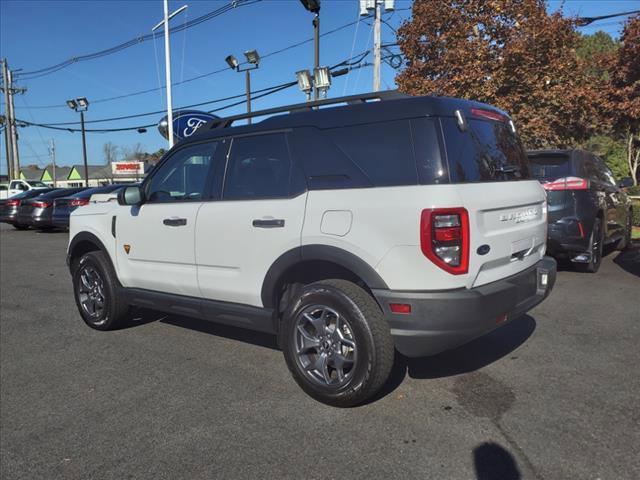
133 152
110 152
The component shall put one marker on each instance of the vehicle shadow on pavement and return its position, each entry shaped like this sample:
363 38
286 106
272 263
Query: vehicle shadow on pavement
233 333
464 359
493 462
629 260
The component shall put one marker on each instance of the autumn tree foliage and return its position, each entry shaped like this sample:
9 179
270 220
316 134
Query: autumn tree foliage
623 93
510 53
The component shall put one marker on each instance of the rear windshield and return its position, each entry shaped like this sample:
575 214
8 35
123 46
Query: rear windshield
550 167
488 151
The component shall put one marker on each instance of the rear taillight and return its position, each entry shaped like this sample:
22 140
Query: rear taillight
41 204
567 183
78 202
444 238
13 203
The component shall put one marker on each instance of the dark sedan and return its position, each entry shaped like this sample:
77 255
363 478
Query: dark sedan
9 207
36 212
62 207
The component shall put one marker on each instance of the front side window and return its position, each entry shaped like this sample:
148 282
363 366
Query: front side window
183 177
259 167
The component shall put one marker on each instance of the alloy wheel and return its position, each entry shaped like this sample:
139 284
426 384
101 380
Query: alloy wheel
325 346
91 294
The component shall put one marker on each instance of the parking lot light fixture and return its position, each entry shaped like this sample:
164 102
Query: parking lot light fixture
232 62
322 80
81 104
305 82
252 57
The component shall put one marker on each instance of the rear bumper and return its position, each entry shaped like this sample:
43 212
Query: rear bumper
440 321
60 221
565 237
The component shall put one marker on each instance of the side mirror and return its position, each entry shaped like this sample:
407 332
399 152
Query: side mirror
625 182
131 196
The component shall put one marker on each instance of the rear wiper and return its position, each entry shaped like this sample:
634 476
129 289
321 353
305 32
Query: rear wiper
508 170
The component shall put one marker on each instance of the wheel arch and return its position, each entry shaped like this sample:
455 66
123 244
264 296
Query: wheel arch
292 265
82 243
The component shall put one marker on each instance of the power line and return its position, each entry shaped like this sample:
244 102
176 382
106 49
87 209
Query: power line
270 91
134 41
198 77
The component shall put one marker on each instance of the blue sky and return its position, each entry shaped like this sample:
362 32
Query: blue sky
36 34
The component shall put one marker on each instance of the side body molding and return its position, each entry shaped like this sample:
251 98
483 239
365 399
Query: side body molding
326 253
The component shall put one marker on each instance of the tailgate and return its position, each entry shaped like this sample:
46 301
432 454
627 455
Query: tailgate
511 219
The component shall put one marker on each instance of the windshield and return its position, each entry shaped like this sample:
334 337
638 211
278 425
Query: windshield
550 167
37 184
488 151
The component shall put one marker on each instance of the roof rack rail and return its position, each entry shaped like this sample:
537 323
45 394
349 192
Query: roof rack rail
226 122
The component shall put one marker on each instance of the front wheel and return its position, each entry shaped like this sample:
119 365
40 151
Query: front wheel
19 226
95 289
337 343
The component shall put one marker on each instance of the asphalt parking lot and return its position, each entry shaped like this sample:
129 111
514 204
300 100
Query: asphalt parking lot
552 395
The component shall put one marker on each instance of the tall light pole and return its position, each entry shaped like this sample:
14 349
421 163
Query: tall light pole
81 105
167 62
314 7
253 59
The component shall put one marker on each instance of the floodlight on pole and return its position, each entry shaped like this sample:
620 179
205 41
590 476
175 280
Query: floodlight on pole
167 62
305 82
81 105
322 80
232 62
252 57
253 61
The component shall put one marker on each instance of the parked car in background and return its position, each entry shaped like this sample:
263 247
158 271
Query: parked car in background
18 186
9 207
62 207
36 212
587 207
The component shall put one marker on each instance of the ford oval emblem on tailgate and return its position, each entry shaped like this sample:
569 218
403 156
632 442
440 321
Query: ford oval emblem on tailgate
483 249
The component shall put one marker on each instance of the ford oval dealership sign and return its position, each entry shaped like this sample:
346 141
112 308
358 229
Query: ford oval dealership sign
185 123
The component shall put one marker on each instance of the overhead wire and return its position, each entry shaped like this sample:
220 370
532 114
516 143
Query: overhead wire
29 75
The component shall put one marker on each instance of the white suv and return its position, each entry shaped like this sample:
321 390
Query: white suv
389 222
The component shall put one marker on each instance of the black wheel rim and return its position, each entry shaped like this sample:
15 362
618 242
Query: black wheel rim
91 294
325 346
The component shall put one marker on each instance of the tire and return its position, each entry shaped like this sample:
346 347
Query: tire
596 242
347 338
18 226
95 287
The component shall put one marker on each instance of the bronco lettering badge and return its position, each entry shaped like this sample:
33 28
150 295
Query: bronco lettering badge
520 216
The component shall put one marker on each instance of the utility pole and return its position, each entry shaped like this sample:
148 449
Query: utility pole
84 150
52 153
7 129
376 49
374 7
167 63
12 123
316 47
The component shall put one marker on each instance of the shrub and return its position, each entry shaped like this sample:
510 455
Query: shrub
636 213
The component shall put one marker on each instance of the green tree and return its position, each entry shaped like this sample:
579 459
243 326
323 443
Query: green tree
595 50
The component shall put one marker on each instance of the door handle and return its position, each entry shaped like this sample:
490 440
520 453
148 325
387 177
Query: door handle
175 222
271 223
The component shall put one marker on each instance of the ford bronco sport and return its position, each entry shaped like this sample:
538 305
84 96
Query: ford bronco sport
387 222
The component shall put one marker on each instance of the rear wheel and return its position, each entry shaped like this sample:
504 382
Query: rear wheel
19 226
595 249
95 289
337 343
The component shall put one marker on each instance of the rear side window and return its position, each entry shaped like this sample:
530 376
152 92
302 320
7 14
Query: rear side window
259 167
549 167
382 151
488 151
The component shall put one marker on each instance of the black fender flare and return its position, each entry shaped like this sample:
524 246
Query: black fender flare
85 237
318 252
